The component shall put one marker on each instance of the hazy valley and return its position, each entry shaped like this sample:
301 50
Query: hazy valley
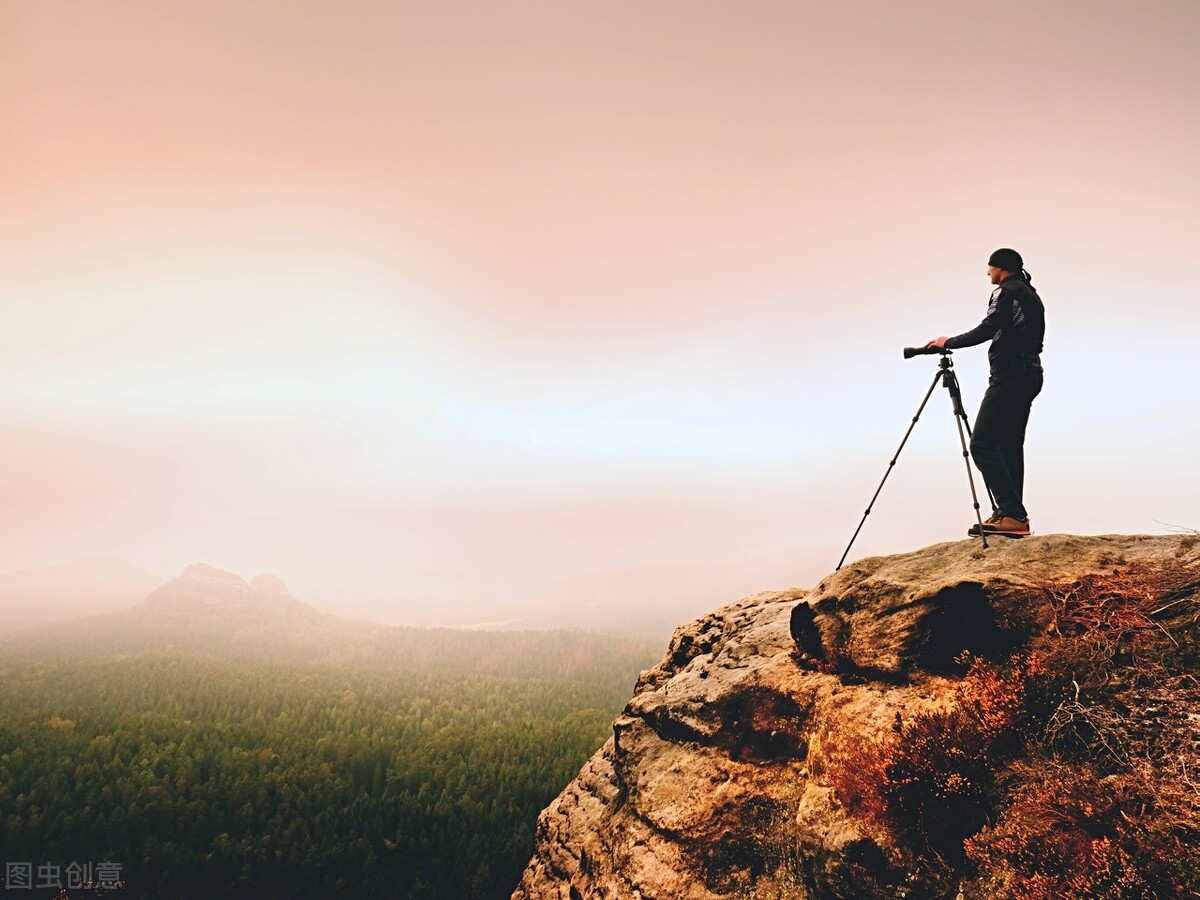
222 738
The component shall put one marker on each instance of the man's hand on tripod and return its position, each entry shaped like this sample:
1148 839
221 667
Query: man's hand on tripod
939 342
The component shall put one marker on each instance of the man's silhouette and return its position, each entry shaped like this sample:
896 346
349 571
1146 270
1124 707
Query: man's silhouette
1016 324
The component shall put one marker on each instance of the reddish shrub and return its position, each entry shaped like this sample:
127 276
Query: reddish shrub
1110 810
932 781
1066 832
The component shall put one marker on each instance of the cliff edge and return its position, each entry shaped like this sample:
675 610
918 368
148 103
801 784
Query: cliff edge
1017 722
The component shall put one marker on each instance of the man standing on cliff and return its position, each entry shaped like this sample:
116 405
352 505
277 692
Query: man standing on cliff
1016 324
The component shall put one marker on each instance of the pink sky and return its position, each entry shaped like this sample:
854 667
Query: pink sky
424 307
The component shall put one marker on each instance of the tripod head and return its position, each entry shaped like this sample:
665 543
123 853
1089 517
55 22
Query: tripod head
910 352
950 383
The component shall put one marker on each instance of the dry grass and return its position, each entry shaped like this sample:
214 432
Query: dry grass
1072 771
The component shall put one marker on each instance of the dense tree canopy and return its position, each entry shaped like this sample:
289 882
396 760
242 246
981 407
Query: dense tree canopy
209 778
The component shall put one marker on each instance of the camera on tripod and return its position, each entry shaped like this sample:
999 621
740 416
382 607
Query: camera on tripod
910 352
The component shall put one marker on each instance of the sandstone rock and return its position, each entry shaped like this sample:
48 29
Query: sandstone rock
710 786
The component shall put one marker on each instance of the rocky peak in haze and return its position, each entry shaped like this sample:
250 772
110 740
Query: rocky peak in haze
205 587
954 722
209 612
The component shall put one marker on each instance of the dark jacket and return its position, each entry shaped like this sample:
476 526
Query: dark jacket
1016 323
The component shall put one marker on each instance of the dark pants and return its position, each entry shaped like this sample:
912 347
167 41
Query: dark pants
998 442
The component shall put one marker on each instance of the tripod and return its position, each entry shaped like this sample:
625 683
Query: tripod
945 374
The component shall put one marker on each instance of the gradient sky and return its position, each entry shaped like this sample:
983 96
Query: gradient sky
427 307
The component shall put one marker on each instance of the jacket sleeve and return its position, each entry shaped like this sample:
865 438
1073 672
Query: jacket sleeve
998 315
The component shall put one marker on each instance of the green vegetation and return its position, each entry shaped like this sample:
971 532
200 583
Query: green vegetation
238 778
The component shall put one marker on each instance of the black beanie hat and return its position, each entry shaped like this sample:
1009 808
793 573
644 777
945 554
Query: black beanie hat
1009 260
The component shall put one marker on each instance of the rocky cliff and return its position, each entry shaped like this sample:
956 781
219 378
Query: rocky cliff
1022 721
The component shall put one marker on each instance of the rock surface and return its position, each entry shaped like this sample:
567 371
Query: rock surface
711 785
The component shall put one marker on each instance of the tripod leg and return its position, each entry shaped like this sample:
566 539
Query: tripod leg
959 418
891 465
956 399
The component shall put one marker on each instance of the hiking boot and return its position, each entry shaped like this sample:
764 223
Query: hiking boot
973 531
1007 525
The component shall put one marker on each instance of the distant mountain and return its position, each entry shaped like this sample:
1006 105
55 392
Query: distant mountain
205 598
213 613
85 587
209 612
